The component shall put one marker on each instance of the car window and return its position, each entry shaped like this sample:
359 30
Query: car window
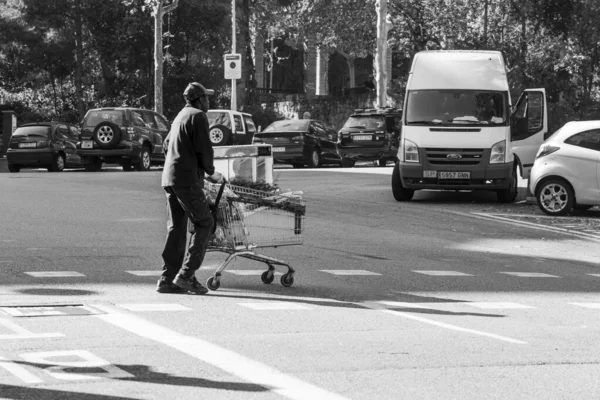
94 117
161 123
319 129
218 118
237 120
250 124
149 120
588 140
41 131
61 132
137 119
288 125
364 122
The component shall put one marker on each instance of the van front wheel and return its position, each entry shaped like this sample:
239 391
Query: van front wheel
509 195
400 193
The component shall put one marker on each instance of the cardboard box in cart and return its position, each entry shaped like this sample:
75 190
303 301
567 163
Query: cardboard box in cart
252 162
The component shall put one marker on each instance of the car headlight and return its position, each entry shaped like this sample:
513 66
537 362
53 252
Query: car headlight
411 151
498 153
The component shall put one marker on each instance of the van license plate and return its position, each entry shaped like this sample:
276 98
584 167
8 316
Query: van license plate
87 144
454 175
362 137
278 149
429 174
27 145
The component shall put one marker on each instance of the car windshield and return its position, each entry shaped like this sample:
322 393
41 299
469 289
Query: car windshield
364 122
95 117
456 107
289 125
218 118
41 131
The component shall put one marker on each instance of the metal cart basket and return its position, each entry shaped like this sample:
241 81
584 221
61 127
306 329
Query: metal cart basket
248 219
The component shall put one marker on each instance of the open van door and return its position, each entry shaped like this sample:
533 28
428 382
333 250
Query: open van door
529 127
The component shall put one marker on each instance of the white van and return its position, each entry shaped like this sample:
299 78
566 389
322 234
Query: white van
459 130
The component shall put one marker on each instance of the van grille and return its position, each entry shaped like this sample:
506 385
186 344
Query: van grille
454 156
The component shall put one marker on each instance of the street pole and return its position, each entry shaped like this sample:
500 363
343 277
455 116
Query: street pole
233 85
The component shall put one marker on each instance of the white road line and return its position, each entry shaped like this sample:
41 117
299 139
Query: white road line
530 274
497 305
442 273
154 307
274 306
349 272
54 274
407 315
249 272
19 371
587 305
227 360
145 273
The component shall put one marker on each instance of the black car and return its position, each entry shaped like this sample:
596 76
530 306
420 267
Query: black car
131 137
370 135
50 145
300 142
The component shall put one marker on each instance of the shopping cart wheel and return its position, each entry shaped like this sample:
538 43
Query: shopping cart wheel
212 283
267 277
287 280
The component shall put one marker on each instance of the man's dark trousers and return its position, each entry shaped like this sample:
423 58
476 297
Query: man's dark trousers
185 202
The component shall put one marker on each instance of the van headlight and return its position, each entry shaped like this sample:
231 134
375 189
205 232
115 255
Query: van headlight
498 154
411 151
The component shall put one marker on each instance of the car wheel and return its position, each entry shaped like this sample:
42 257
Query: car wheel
509 195
219 135
58 164
382 162
107 134
13 168
555 197
314 160
94 165
400 193
145 160
347 163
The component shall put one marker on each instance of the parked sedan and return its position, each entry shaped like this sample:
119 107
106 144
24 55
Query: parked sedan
301 142
50 145
566 172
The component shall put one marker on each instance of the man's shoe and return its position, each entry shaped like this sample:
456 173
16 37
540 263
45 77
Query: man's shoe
163 286
191 284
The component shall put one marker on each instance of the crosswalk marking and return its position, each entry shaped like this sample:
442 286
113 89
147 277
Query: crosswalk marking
497 305
145 273
349 272
530 274
276 305
249 272
587 305
54 274
442 273
154 307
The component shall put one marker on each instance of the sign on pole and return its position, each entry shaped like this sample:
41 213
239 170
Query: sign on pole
233 66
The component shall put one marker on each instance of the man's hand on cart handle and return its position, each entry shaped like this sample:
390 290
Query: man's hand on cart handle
217 177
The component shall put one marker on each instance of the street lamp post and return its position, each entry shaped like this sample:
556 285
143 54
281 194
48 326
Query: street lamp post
233 84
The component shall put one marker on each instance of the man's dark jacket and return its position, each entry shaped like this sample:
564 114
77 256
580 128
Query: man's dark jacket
188 150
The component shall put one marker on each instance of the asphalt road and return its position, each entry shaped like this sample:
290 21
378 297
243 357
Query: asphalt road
450 296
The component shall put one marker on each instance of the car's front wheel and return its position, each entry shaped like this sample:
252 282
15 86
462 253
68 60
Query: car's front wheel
399 191
58 164
555 197
314 159
145 160
509 195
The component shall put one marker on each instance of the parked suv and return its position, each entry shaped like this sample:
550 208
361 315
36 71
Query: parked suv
50 145
131 137
220 124
371 134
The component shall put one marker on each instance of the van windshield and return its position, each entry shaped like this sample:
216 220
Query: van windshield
456 107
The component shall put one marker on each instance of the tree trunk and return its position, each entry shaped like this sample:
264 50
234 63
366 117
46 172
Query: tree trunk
159 11
381 56
78 61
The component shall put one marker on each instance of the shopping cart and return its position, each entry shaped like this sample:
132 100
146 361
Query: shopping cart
248 219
